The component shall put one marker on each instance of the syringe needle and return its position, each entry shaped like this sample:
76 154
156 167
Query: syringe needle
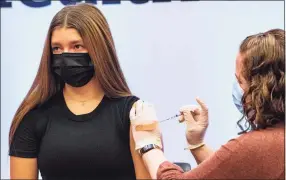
170 118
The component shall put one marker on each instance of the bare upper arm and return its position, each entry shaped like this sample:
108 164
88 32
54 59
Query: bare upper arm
23 168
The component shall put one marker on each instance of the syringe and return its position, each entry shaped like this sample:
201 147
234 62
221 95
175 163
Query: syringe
177 115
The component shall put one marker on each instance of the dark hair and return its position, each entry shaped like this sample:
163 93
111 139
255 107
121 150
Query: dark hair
264 71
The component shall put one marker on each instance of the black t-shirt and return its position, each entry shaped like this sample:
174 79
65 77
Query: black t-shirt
69 146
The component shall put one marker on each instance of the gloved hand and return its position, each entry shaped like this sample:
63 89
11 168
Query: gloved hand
143 113
196 118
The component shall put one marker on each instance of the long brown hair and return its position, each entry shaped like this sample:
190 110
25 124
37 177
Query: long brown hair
96 35
264 71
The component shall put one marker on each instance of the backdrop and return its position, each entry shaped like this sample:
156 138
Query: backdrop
170 52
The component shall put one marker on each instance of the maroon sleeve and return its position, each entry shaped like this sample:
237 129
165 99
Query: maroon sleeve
218 166
254 155
167 170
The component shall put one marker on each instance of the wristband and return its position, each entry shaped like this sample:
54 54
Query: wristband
148 148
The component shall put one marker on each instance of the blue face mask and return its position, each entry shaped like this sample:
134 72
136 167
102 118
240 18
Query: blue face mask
237 93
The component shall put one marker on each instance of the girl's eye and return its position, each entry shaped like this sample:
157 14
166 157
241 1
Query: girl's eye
78 46
56 49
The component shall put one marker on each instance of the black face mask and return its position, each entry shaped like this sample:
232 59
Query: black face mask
75 69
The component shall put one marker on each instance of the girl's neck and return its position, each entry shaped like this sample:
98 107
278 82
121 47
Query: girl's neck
92 90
